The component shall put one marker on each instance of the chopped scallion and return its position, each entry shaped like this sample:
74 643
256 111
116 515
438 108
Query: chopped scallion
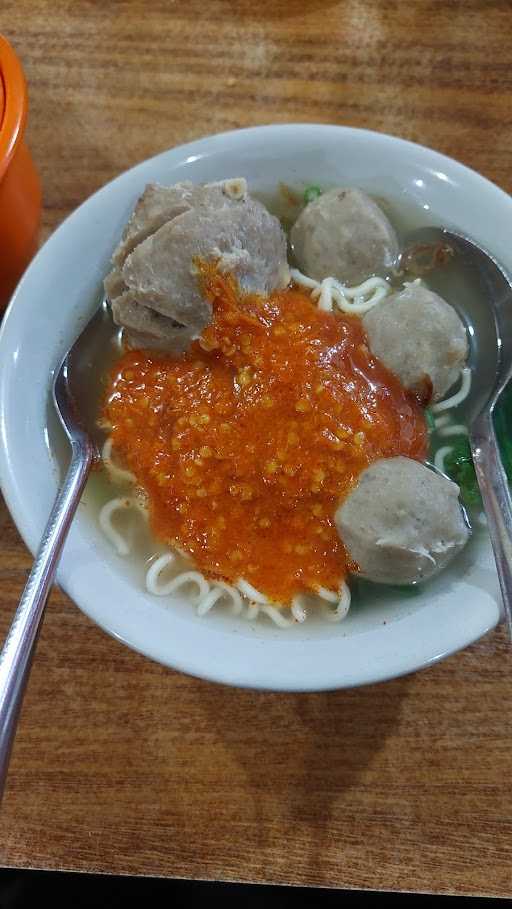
311 193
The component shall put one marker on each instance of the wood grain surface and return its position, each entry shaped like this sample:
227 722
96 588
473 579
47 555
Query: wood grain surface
121 765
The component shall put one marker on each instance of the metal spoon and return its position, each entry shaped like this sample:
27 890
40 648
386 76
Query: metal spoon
75 375
470 278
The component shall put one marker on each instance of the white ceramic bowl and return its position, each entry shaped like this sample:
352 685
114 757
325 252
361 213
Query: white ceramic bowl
389 636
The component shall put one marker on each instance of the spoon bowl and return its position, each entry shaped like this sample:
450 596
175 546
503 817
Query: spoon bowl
77 376
473 281
477 279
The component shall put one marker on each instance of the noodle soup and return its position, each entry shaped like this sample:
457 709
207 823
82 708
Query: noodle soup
163 551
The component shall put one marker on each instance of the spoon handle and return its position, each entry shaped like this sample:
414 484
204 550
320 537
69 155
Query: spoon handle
16 654
495 491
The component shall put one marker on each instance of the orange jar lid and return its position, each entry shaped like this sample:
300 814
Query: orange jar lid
13 103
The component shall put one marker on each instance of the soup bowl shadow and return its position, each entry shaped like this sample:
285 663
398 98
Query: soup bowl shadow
303 756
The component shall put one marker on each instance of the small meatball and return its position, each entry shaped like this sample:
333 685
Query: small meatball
344 234
402 523
223 223
420 338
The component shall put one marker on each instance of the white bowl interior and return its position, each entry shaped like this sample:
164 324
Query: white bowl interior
390 634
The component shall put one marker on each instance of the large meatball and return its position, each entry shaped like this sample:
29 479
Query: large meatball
154 288
160 204
420 338
402 523
344 234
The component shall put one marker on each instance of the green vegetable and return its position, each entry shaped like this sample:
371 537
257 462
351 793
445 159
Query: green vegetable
311 193
430 420
458 464
503 426
364 591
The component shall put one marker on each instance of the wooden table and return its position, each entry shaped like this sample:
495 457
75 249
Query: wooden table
121 765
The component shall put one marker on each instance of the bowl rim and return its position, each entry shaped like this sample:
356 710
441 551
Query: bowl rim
12 123
199 147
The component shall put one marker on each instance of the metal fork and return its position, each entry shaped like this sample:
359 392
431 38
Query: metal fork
78 420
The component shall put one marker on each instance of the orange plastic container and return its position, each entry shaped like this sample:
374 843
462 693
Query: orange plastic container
20 189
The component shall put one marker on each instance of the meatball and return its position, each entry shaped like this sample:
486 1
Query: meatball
402 523
148 328
420 338
160 204
154 288
157 205
344 234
